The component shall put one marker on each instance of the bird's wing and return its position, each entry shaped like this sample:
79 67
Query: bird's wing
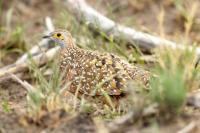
136 73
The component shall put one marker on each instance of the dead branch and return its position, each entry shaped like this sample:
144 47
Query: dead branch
38 60
193 99
188 128
96 20
25 84
42 46
39 54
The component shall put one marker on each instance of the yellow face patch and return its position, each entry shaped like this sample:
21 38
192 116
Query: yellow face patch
58 36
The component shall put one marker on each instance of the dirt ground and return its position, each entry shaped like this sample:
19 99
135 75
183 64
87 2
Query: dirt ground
140 15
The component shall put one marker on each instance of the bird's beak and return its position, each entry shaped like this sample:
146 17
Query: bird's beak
46 36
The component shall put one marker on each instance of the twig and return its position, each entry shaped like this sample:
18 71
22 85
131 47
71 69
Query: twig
37 52
188 128
146 59
193 99
39 60
42 45
8 77
96 20
25 84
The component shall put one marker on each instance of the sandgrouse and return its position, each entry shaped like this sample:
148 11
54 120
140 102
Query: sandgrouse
94 73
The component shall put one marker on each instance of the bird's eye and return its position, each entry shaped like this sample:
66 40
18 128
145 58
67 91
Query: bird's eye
58 35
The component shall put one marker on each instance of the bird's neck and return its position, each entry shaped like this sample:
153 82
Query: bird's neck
69 49
68 46
70 43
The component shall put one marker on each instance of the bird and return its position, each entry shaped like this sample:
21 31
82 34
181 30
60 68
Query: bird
94 73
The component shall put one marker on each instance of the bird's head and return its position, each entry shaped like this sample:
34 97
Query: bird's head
61 37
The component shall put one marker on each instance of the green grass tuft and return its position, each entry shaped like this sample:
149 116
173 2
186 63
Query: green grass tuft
5 106
174 72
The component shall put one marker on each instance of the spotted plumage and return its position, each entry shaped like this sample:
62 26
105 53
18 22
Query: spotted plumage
94 73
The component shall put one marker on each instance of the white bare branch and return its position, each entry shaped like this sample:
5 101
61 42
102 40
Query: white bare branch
84 12
42 45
